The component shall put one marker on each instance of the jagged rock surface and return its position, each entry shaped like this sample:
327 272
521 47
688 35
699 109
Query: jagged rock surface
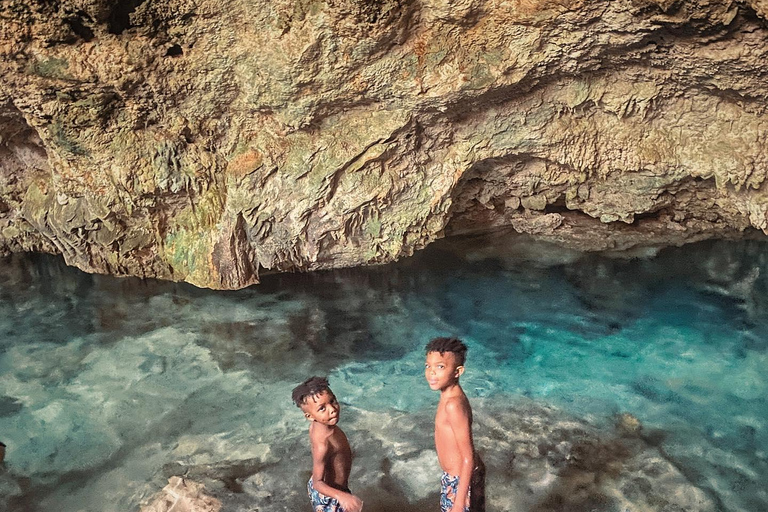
537 459
182 495
205 141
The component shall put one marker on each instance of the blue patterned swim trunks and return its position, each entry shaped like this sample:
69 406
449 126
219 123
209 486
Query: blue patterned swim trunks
448 487
321 502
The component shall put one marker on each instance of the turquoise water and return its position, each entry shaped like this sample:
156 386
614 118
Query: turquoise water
107 385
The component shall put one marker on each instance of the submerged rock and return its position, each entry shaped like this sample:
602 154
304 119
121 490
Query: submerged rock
540 459
209 142
537 459
628 425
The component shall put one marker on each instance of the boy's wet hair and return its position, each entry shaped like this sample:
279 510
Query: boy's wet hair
310 387
444 345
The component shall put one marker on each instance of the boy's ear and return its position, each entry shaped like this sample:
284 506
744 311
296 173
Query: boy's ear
459 370
306 415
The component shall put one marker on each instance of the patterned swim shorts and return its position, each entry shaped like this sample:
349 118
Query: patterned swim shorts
321 502
448 487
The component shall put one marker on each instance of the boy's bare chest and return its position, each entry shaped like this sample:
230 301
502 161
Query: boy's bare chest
442 423
338 443
443 419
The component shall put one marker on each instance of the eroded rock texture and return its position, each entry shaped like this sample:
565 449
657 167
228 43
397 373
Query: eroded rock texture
208 140
182 495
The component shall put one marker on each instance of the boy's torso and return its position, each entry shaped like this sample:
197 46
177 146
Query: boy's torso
448 453
338 461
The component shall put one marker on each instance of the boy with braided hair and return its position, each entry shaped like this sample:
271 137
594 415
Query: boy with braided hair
331 455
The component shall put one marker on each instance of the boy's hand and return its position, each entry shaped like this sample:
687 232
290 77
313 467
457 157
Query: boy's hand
351 503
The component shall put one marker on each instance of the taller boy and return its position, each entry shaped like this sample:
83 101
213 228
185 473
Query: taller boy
453 422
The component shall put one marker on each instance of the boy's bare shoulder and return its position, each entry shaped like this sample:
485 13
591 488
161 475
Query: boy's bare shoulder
318 436
458 404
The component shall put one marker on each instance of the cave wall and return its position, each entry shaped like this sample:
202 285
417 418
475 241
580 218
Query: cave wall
208 141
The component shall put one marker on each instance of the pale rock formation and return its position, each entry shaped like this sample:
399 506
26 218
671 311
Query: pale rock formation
182 495
537 459
552 462
207 141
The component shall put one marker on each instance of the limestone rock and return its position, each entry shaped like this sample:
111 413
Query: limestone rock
181 495
10 489
554 462
211 141
628 425
537 457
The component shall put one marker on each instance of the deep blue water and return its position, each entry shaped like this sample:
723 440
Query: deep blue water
105 381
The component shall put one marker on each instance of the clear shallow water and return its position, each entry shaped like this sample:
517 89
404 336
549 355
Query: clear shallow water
105 382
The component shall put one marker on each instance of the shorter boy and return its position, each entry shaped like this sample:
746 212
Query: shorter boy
453 428
331 454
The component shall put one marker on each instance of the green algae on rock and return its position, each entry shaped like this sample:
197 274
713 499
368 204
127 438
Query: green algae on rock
210 142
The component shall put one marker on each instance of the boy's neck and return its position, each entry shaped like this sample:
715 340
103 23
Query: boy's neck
315 425
450 390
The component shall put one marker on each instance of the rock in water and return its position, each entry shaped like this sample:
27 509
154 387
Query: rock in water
181 495
628 425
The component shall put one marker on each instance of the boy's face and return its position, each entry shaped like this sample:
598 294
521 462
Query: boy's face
441 370
322 408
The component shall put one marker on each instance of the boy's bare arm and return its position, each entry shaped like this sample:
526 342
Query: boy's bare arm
459 418
320 453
